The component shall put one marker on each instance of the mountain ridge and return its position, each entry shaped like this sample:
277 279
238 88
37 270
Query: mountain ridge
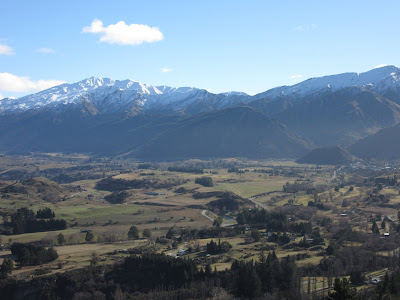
230 132
114 95
383 145
333 155
111 117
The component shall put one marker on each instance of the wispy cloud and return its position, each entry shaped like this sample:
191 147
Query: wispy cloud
380 66
45 50
305 27
166 70
13 83
296 76
124 34
6 50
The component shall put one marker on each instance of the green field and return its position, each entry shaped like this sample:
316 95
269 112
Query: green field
84 208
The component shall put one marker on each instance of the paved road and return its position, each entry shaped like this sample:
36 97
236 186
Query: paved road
258 203
224 224
204 214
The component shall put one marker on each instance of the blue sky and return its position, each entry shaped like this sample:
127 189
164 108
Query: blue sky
248 46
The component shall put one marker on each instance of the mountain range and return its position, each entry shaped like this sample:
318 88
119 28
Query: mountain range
333 155
111 117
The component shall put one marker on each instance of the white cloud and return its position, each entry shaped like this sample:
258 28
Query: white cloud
380 66
6 50
1 96
124 34
13 83
305 27
166 70
297 76
45 50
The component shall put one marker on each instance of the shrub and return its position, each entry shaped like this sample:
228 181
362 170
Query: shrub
133 233
204 181
31 255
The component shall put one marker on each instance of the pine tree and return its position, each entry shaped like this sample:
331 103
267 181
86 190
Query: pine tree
61 239
342 290
375 228
133 233
255 234
89 237
94 260
7 266
383 224
147 233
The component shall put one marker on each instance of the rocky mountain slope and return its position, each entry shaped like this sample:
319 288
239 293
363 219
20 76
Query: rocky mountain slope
104 95
232 132
106 116
341 117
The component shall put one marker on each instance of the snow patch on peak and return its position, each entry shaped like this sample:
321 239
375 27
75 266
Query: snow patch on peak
234 93
109 95
377 79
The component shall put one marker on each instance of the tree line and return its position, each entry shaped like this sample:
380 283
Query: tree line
118 184
186 169
26 221
157 276
31 255
204 181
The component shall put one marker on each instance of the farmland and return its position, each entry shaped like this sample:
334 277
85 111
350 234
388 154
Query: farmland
321 207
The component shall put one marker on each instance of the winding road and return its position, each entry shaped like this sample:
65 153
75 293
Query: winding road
257 203
204 214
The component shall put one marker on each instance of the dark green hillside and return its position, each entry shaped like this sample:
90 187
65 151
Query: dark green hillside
385 144
240 131
74 131
334 155
342 117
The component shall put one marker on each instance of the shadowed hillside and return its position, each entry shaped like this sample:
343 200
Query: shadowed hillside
239 131
334 155
341 118
385 144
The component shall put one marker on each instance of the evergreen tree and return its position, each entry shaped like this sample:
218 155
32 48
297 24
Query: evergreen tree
218 222
94 260
208 271
89 237
7 266
342 290
61 239
247 281
147 233
133 233
20 219
331 249
383 224
45 213
205 181
357 277
256 235
375 228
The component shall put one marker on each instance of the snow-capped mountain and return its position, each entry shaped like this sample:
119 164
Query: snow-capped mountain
105 116
108 95
378 80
